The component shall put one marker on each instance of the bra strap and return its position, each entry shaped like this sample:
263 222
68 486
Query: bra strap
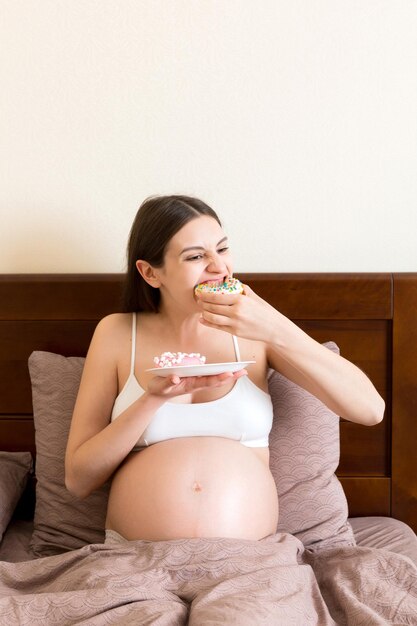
236 346
132 359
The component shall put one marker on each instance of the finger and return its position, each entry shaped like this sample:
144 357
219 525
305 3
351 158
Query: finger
215 379
214 318
215 308
232 376
247 291
212 380
224 375
226 329
240 373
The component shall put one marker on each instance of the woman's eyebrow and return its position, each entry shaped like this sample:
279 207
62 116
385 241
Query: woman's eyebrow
201 247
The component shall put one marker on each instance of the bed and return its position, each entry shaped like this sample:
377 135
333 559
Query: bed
370 318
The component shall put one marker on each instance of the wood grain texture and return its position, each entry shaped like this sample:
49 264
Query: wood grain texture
326 295
368 496
19 338
17 433
59 296
404 400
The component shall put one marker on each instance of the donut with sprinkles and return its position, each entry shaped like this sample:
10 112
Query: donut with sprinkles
171 359
231 285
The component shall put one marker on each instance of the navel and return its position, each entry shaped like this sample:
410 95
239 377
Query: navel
197 486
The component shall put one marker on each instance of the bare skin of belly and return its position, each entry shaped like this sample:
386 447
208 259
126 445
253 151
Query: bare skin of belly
194 487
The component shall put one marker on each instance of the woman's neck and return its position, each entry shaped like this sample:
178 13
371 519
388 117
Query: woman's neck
181 324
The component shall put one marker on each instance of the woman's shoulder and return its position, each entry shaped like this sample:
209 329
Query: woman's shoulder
114 321
113 330
116 324
114 334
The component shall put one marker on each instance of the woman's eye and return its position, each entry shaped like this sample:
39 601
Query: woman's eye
197 257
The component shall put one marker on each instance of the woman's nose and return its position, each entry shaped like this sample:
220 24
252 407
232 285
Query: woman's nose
216 264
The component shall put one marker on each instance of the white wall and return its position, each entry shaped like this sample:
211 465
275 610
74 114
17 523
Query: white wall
295 119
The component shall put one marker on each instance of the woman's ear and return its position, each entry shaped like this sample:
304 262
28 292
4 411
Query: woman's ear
148 273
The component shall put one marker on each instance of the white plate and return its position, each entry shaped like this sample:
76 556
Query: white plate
205 369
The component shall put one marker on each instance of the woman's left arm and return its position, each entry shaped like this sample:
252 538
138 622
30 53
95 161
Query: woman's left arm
334 380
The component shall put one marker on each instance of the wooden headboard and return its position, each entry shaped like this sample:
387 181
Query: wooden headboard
372 317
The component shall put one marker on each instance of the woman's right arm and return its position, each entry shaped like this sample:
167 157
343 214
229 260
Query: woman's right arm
96 447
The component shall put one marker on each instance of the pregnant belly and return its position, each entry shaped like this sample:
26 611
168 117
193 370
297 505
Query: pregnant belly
194 487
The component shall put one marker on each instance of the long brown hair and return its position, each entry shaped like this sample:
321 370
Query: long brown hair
156 222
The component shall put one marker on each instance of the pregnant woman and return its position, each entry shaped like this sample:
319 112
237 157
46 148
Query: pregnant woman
188 456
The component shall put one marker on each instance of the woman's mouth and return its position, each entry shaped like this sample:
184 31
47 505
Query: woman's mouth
220 279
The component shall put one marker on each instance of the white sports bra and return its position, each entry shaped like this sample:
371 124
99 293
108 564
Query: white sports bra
244 414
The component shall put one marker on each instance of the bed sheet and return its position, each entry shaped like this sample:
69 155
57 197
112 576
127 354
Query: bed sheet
370 532
210 581
385 532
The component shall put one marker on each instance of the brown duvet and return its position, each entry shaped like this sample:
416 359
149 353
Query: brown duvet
211 581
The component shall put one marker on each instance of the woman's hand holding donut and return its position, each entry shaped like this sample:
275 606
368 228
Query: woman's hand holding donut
246 315
172 386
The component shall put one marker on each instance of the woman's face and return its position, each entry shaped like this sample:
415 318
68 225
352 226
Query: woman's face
197 253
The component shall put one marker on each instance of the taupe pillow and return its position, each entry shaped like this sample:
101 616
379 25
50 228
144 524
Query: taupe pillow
61 522
304 455
15 468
